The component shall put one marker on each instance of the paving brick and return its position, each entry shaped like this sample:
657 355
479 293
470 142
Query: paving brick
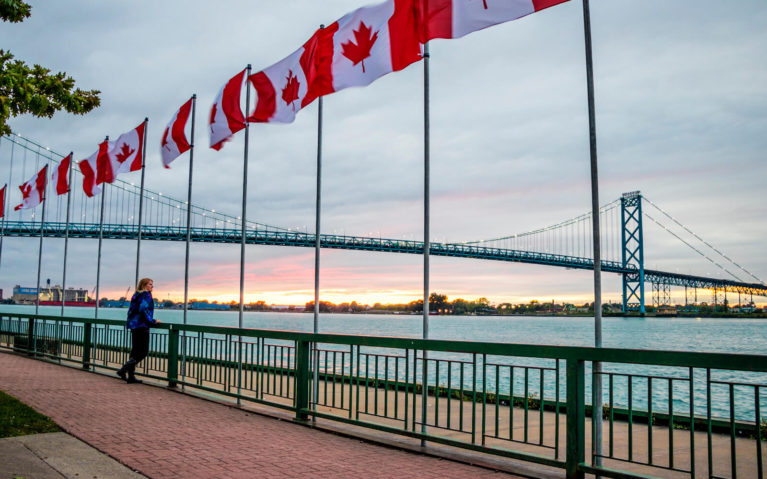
161 433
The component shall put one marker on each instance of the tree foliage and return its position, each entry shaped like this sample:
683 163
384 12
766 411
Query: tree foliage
35 90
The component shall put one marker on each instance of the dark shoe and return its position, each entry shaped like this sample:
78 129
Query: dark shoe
121 373
134 381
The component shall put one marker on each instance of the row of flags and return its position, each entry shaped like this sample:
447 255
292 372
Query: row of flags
355 50
359 48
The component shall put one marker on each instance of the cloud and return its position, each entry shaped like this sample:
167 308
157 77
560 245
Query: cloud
681 95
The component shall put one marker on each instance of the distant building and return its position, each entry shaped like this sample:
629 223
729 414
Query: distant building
209 306
54 294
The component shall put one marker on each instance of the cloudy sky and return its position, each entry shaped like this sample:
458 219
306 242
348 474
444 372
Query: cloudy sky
681 103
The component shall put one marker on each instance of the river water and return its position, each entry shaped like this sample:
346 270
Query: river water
745 336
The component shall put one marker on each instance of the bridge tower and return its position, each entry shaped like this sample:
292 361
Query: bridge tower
632 248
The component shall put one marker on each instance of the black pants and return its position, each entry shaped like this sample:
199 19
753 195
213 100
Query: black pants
139 348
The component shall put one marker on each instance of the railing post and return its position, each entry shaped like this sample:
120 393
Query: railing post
302 380
31 336
576 418
87 345
172 356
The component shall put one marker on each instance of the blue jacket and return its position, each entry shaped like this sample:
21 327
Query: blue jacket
141 311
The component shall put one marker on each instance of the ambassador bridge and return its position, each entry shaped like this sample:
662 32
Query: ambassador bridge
566 244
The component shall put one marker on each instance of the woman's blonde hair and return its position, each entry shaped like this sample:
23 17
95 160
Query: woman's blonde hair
142 284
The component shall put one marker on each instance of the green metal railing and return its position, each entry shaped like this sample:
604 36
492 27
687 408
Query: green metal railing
693 414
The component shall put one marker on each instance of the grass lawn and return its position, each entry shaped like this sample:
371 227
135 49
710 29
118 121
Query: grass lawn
18 419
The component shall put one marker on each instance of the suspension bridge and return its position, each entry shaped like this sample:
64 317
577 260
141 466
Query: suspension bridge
566 244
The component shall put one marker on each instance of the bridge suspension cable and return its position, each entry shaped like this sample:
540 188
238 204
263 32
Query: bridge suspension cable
121 196
719 252
571 237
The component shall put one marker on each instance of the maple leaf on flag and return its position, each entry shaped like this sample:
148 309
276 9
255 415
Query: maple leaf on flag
124 153
358 52
290 92
26 189
484 2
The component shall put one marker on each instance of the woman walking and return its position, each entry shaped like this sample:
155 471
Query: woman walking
140 319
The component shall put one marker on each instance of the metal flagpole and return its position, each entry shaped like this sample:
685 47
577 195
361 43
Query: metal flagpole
8 209
2 228
141 201
101 238
426 245
596 366
66 235
242 244
40 252
318 210
188 239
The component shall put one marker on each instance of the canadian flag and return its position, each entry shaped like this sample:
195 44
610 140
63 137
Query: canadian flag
2 200
296 81
124 155
33 191
456 18
226 116
174 142
373 41
89 167
60 175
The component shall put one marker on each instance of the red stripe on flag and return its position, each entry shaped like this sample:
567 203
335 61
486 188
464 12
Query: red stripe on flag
317 63
104 173
62 175
267 98
435 19
2 201
139 158
541 4
403 35
231 103
89 177
178 135
42 179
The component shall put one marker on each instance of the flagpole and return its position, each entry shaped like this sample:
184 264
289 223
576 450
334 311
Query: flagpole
8 208
40 252
426 244
101 238
243 222
596 365
2 228
188 239
318 211
66 235
141 200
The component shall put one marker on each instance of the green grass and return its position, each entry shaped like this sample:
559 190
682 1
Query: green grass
18 419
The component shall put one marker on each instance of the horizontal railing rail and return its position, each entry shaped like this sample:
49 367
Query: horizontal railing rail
668 412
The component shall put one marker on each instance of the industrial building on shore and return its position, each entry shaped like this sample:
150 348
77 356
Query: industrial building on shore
52 296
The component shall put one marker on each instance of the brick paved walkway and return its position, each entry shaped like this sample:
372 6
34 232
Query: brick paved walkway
161 433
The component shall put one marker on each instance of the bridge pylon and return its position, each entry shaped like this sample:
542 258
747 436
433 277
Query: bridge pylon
632 249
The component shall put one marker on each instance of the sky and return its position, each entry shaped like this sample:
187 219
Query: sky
681 115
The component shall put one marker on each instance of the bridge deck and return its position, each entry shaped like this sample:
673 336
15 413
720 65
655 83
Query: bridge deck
307 240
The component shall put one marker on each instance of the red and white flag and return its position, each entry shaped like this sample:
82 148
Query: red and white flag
174 141
60 175
89 168
33 191
226 116
2 200
373 41
456 18
286 87
124 155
